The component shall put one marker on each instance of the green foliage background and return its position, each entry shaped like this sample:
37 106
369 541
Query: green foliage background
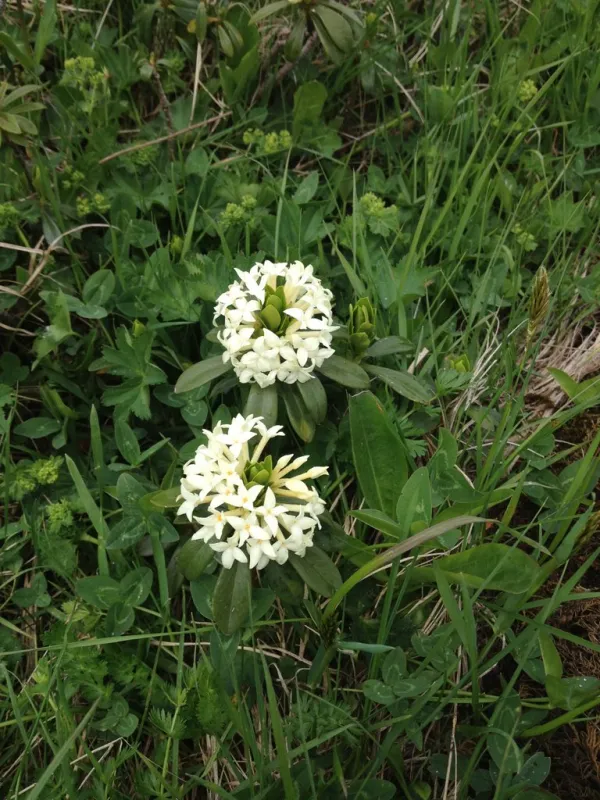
439 159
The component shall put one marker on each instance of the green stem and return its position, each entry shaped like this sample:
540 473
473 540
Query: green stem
539 730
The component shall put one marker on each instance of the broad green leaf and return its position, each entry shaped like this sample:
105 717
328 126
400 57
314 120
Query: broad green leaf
99 287
569 693
263 403
135 586
345 372
98 590
389 346
201 373
119 618
193 558
126 532
501 744
270 9
33 595
299 416
394 666
127 442
197 162
130 491
379 692
293 45
317 570
37 427
379 521
45 31
550 655
535 794
444 458
414 504
338 29
307 188
535 770
202 590
414 685
379 456
165 498
315 399
494 566
587 391
14 47
309 100
404 383
388 557
161 528
195 413
231 600
373 789
262 603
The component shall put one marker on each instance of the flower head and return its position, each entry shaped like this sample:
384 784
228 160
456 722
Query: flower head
277 323
248 508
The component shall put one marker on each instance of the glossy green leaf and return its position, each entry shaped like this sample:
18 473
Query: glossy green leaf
379 521
270 9
389 346
263 403
135 586
379 455
127 442
193 558
587 391
495 566
37 427
99 287
535 793
387 558
231 600
379 692
394 666
119 618
414 507
299 416
100 591
201 373
403 383
315 399
165 498
345 372
307 188
195 413
569 693
309 100
317 570
126 532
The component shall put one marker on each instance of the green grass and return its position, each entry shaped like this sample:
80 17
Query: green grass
440 160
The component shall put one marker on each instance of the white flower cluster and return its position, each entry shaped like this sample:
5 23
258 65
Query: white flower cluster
278 323
255 512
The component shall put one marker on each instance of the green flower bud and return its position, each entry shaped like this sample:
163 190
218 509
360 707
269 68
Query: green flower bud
262 477
137 328
362 317
46 471
275 301
361 326
359 342
460 363
271 318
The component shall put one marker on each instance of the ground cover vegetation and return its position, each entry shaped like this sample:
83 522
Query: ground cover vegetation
299 392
